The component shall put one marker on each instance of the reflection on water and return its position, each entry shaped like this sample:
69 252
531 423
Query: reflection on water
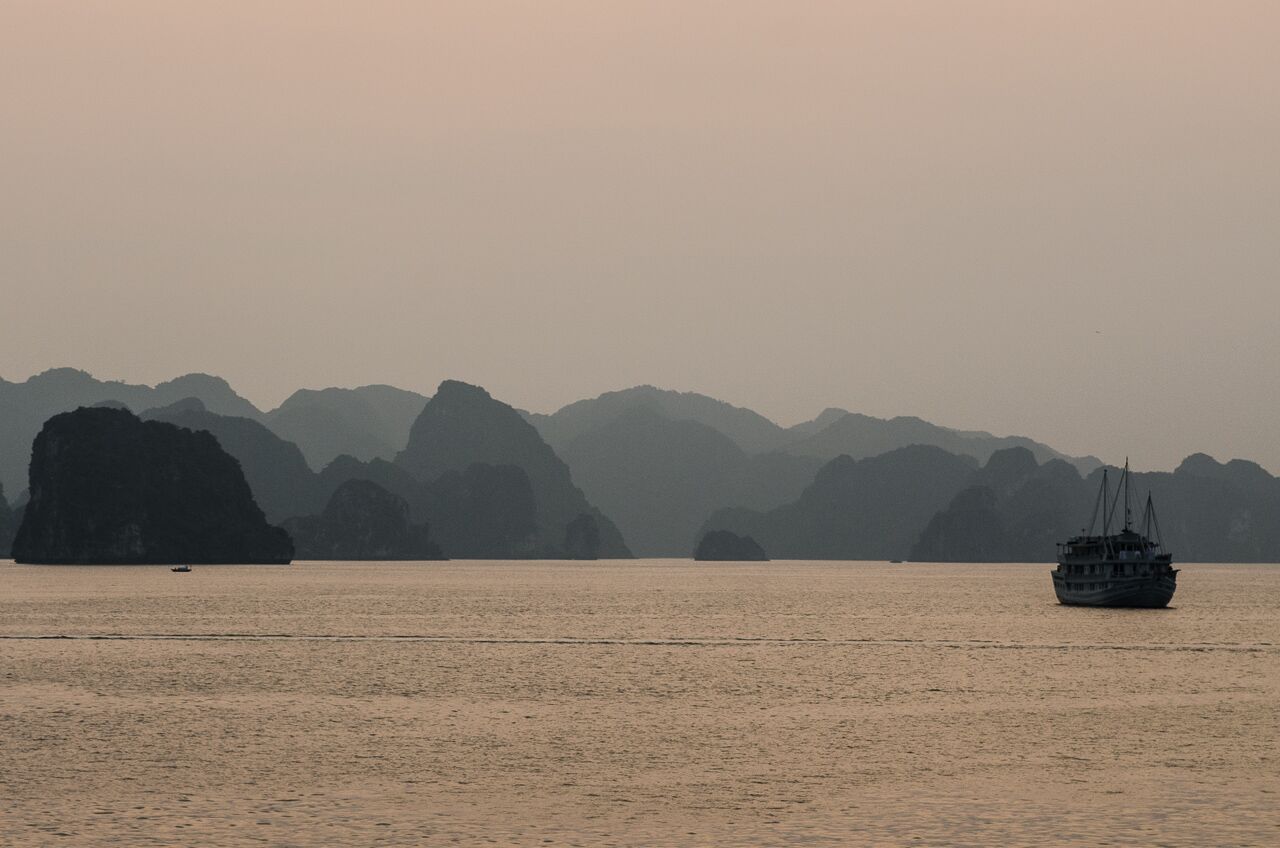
632 703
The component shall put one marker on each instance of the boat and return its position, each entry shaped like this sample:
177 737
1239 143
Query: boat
181 569
1125 569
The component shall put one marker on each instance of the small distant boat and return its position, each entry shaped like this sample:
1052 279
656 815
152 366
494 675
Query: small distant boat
895 562
181 569
1125 569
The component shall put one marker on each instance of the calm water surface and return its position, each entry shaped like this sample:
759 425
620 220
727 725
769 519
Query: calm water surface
640 703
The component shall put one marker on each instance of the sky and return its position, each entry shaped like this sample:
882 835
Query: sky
1055 219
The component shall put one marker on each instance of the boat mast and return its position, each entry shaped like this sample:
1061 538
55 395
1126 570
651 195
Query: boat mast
1128 515
1106 517
1151 511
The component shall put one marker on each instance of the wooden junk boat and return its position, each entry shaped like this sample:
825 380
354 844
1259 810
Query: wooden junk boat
1125 569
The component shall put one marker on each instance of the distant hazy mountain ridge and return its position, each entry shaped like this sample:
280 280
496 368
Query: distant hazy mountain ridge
749 430
1015 511
367 422
925 504
861 436
281 482
462 426
872 508
667 467
660 478
362 521
25 406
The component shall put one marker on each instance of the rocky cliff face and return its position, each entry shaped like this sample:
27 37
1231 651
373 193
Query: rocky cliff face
107 487
462 426
362 521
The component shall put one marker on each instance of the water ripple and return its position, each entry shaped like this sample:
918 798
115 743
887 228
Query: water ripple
691 642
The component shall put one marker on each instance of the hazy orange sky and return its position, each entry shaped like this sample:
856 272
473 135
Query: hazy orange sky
1054 219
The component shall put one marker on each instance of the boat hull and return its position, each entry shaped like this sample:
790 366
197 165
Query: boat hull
1147 592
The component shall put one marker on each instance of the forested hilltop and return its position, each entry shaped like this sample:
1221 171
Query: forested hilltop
381 472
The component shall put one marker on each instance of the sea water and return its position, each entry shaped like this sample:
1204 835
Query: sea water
632 703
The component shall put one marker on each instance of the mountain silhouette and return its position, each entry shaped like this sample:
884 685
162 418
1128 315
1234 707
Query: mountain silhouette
1014 510
389 476
749 430
1215 512
492 512
25 406
362 521
825 419
107 487
660 479
667 466
481 512
367 422
861 436
1237 472
282 483
462 426
872 508
661 462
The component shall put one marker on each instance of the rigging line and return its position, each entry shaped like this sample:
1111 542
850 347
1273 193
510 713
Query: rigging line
1116 502
1097 502
1146 521
1156 521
